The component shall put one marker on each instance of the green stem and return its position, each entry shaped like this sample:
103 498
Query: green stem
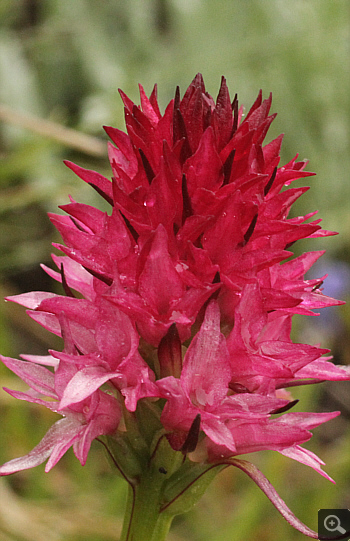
143 520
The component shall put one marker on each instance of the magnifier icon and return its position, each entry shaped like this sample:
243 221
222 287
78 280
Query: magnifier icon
332 524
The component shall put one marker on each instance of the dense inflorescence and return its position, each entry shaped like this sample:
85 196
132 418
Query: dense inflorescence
183 295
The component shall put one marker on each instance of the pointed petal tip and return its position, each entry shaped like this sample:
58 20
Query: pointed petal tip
264 484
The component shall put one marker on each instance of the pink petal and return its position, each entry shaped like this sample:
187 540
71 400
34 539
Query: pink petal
219 433
46 360
84 383
119 344
159 283
304 456
33 299
204 168
60 435
271 493
103 185
29 398
324 370
38 377
206 366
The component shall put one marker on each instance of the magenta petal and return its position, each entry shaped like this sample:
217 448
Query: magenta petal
46 320
79 310
204 168
29 398
69 431
84 383
125 148
147 108
39 454
46 360
305 420
206 367
265 485
59 435
91 217
218 432
160 284
256 436
38 377
31 300
105 420
164 202
324 370
221 240
178 411
77 277
82 446
115 346
297 267
304 456
102 184
86 248
135 381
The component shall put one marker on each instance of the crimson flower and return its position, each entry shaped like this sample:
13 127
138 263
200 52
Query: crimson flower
178 304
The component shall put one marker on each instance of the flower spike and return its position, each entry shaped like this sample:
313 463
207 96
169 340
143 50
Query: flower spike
177 309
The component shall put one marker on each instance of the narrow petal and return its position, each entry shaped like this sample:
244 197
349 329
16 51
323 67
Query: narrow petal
324 370
61 432
304 456
84 383
265 485
46 360
206 367
33 299
38 377
159 282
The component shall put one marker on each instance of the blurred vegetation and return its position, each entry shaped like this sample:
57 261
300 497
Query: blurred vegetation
61 63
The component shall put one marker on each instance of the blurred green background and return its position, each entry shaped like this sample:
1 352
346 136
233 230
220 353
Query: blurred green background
63 61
